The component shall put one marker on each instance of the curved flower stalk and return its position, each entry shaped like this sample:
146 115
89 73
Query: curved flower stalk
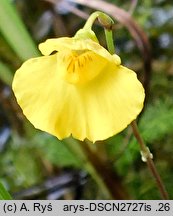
80 90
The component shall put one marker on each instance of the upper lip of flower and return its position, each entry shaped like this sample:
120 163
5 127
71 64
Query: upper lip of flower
78 46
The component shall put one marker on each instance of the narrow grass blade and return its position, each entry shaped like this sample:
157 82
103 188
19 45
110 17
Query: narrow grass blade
14 31
4 195
5 74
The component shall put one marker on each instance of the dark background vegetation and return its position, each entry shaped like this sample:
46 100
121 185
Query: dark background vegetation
35 165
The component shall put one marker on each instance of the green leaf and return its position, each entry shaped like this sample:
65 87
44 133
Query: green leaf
56 151
30 175
156 122
5 74
14 31
4 195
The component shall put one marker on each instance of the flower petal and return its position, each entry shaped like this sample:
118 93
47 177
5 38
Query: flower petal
49 102
96 110
112 101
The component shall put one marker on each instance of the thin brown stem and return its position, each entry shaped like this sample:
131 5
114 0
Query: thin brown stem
147 157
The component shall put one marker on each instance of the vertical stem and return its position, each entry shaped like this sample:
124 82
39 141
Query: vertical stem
147 156
109 41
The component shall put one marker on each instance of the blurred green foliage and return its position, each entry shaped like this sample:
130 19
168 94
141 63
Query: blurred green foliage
4 195
28 157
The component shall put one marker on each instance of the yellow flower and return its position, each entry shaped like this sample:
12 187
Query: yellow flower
81 90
